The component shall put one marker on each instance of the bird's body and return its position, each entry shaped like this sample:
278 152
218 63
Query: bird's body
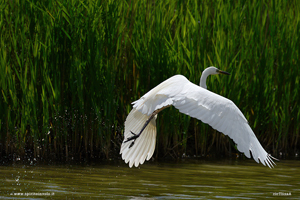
220 113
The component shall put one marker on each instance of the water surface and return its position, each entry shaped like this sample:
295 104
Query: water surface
192 179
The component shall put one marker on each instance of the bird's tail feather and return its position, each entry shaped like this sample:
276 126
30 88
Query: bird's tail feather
144 145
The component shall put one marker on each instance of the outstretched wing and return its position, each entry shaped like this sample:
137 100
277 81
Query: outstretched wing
223 115
220 113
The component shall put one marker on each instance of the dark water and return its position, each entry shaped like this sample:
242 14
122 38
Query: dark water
191 179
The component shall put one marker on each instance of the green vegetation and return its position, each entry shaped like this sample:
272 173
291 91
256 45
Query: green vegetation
70 69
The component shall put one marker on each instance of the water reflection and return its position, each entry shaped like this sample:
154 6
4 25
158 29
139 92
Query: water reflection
192 179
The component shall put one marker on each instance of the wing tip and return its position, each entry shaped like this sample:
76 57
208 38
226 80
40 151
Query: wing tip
269 161
144 145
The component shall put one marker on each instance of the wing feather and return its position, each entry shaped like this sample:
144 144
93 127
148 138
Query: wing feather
144 145
223 115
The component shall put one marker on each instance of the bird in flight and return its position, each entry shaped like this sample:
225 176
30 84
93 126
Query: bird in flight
198 102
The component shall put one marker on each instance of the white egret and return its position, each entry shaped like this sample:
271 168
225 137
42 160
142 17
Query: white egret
198 102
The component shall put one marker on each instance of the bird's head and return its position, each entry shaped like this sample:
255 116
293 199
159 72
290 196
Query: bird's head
210 71
213 70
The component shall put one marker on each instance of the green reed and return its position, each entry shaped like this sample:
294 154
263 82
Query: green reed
70 69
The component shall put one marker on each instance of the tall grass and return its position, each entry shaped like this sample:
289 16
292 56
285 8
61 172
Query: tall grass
70 69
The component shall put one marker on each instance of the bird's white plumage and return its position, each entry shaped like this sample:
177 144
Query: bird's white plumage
220 113
144 145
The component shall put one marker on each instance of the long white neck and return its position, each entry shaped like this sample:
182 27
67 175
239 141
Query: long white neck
205 74
203 80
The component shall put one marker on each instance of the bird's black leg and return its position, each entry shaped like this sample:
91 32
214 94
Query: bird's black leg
135 136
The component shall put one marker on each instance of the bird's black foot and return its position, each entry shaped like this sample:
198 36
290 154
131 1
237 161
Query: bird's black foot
134 137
